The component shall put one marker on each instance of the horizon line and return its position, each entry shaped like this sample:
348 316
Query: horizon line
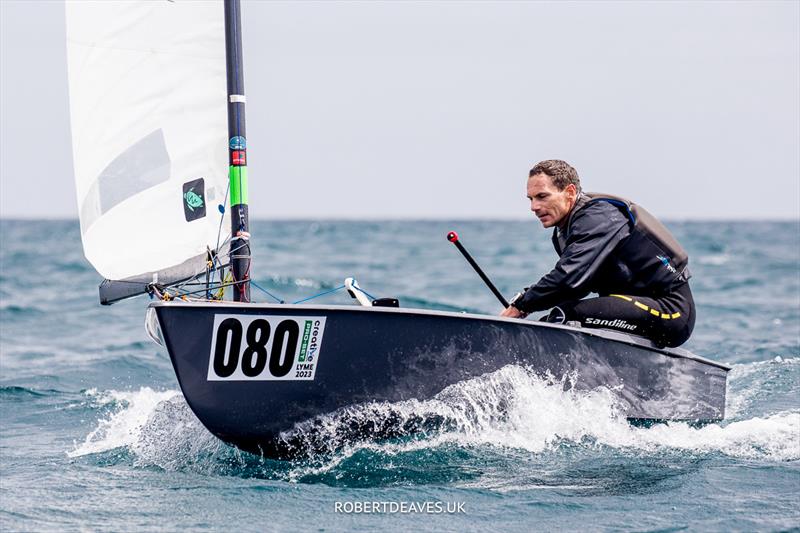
334 218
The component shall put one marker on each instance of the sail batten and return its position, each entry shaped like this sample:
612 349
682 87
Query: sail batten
147 87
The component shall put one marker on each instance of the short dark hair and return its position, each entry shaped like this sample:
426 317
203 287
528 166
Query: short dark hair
559 171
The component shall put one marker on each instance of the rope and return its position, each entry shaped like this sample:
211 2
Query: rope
320 294
371 297
227 284
223 280
222 212
197 275
257 286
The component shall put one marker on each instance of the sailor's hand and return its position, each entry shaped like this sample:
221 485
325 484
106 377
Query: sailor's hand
513 312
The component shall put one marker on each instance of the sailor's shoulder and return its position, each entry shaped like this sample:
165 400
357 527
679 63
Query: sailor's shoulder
595 212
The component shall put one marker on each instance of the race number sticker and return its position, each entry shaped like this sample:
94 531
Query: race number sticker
265 348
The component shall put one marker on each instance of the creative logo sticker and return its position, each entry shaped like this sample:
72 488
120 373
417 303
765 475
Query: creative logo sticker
194 202
265 348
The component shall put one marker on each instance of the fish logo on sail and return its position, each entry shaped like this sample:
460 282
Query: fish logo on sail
192 199
194 203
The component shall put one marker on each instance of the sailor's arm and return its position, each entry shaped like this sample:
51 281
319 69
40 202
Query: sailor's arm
594 235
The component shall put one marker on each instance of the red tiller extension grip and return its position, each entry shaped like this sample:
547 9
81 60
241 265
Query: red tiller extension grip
453 237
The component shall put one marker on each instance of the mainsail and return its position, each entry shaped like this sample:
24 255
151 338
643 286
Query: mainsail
147 84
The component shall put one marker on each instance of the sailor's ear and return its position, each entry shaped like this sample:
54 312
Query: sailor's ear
572 190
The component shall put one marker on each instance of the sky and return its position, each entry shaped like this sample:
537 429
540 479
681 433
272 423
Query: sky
438 109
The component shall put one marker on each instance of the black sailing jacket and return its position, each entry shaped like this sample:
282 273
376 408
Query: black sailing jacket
609 246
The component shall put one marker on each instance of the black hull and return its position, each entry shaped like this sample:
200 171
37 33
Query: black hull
382 354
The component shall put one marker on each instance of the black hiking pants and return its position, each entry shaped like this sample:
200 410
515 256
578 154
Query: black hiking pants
667 320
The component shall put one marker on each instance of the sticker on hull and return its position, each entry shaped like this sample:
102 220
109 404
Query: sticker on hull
265 348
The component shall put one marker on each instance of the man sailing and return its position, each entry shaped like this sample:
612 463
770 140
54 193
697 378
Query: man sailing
612 247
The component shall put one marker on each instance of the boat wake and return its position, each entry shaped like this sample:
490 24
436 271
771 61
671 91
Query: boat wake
510 415
130 413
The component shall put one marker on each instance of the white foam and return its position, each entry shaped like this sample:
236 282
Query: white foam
123 427
747 382
174 439
514 408
774 438
544 415
510 408
716 260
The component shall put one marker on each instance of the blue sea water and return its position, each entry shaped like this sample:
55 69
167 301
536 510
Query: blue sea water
96 435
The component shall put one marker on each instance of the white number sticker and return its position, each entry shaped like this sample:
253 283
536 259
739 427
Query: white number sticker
265 348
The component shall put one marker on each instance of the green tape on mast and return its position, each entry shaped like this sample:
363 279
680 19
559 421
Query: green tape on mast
238 181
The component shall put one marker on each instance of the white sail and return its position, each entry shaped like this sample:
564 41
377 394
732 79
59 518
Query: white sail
149 136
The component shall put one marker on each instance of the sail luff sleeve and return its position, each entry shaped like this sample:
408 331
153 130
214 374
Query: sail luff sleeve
237 150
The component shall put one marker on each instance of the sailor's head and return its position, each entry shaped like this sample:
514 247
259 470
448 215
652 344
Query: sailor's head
553 187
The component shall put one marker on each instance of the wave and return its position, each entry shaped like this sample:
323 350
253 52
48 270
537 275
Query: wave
16 393
754 386
285 282
715 260
513 408
123 428
15 310
510 411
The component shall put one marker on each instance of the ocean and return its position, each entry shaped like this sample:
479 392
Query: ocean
96 436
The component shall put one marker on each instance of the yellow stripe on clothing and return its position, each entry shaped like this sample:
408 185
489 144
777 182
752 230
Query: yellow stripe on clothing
640 305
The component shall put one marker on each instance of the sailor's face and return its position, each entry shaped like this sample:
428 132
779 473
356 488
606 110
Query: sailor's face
548 203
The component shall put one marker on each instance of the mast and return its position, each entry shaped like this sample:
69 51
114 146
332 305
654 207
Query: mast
237 151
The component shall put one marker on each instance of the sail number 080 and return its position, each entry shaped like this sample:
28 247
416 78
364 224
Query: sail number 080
255 358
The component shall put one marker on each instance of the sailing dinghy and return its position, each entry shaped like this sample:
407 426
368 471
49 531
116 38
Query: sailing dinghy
160 155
